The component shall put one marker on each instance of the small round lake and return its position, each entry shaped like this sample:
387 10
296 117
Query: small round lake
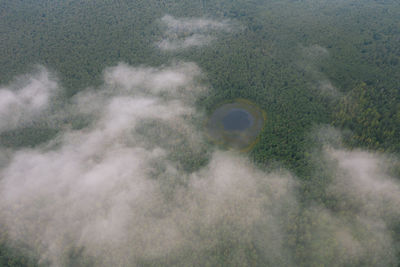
236 124
237 119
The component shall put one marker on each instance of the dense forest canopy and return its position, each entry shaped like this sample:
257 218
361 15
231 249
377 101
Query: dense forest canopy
322 182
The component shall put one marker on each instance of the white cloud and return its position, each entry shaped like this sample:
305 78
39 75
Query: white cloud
311 59
151 80
193 24
357 228
24 100
365 183
117 188
122 189
185 33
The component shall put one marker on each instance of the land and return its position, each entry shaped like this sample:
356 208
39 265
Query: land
308 64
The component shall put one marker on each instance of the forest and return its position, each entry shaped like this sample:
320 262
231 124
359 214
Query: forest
311 65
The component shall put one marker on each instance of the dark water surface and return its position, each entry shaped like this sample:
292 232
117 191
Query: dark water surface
237 120
236 124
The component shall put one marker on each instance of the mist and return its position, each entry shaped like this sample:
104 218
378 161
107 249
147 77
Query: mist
310 60
24 100
138 183
185 33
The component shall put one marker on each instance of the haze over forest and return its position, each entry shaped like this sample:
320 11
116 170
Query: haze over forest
104 155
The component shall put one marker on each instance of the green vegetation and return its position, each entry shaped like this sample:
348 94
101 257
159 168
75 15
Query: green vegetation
372 115
303 62
245 139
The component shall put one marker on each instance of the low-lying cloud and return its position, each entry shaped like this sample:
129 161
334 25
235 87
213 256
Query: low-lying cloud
355 224
138 184
25 99
127 187
311 60
184 33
